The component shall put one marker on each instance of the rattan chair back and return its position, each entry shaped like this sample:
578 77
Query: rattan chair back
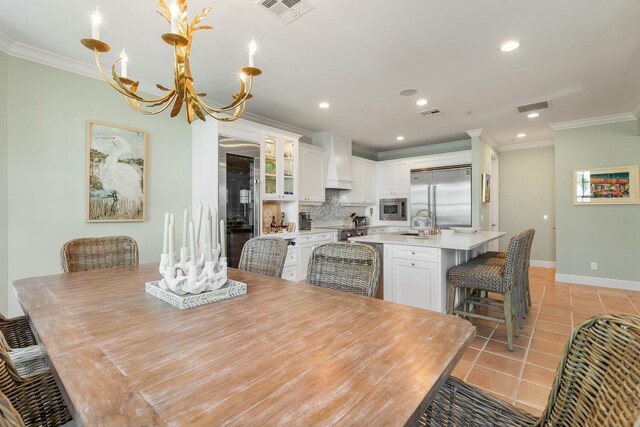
347 267
16 333
598 380
264 255
9 417
36 398
98 252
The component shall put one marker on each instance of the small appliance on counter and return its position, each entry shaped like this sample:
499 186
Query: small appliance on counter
305 220
361 221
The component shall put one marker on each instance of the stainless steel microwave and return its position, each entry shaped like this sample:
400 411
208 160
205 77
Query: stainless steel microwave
393 209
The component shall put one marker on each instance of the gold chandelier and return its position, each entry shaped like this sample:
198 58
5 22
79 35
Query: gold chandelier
183 91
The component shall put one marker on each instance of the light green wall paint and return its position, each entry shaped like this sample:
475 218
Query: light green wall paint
48 113
4 61
606 234
527 193
480 163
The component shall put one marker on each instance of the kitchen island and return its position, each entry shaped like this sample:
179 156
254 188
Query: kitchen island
414 269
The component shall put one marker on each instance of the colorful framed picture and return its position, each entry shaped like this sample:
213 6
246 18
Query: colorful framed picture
611 186
486 187
116 173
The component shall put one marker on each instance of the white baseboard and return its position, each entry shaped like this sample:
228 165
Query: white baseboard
545 264
598 281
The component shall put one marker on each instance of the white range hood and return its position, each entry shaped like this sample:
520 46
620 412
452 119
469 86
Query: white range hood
337 156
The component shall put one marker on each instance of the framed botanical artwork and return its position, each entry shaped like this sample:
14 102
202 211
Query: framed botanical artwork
486 187
612 186
116 173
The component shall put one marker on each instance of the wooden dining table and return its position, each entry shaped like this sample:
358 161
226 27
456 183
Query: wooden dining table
286 353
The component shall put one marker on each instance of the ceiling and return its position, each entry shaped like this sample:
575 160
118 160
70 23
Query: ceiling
583 55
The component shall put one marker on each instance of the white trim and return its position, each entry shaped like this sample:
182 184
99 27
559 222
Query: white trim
474 132
602 120
598 281
491 143
5 44
425 150
544 264
528 145
636 110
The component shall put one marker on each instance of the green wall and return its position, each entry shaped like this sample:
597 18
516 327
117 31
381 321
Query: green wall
48 113
4 61
606 234
527 193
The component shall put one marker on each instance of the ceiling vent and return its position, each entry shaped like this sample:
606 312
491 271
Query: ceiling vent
534 107
287 10
430 113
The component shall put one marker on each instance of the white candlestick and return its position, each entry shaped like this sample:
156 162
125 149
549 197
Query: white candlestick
199 224
252 52
175 14
165 241
185 227
214 221
223 248
208 239
172 240
124 62
192 244
96 20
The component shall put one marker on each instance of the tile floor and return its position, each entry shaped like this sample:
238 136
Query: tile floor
524 377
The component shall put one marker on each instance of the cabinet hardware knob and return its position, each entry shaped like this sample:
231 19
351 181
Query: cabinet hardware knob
413 264
413 253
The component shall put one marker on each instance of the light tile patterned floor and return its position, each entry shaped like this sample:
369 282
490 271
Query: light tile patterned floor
524 377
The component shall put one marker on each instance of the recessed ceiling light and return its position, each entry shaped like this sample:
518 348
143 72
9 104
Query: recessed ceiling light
422 102
521 135
510 46
533 115
400 138
324 105
408 92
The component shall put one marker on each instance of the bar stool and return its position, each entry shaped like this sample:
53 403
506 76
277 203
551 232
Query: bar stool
500 279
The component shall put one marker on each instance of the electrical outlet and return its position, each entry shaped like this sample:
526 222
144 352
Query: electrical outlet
545 217
594 266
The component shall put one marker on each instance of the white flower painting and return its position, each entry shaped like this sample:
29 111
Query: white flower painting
116 173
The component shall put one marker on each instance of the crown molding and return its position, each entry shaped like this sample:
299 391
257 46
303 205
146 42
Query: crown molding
425 150
474 132
636 110
491 143
5 44
364 152
594 121
528 145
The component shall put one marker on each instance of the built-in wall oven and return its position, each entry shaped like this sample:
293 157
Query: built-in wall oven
393 209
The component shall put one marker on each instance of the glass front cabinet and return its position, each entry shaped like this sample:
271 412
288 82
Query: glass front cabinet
279 168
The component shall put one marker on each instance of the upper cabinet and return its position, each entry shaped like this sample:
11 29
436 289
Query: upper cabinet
394 179
311 176
279 167
363 184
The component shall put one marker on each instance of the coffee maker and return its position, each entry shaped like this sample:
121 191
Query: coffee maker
305 220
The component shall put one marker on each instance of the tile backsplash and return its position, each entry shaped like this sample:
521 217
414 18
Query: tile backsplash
330 210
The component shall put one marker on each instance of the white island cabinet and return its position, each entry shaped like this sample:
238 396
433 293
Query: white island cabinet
415 269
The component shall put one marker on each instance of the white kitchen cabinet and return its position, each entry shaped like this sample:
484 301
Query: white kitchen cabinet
311 176
376 230
413 282
363 184
279 157
306 244
393 179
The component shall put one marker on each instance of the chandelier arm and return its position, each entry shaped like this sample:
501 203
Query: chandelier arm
239 110
104 75
131 93
238 101
134 104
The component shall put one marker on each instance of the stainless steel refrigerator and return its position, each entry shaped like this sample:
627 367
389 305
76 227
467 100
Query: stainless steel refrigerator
446 192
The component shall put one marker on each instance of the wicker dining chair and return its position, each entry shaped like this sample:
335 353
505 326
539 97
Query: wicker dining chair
36 398
597 384
17 332
347 267
26 360
264 255
9 417
98 252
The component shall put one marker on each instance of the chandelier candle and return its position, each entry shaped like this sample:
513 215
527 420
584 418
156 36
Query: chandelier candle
183 92
124 62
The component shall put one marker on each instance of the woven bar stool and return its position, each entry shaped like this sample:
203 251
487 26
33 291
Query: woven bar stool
347 267
596 384
522 284
264 255
98 252
36 398
500 279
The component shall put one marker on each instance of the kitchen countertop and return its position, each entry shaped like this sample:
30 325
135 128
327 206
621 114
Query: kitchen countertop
457 241
316 231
